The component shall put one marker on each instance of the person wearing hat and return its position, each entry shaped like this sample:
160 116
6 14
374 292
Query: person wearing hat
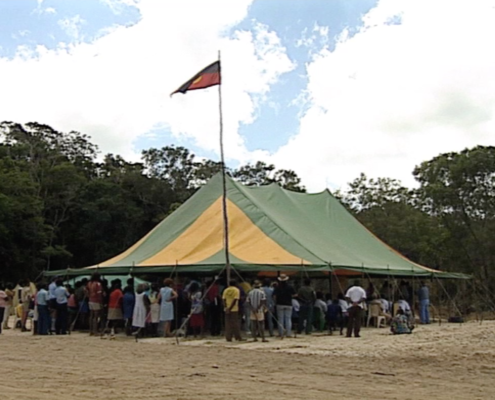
256 301
282 295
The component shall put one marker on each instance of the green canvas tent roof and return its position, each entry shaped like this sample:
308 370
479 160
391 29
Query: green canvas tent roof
269 229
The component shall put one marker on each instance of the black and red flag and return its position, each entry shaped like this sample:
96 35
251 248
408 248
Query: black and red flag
209 76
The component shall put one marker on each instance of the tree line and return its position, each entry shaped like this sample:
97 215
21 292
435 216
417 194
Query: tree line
61 206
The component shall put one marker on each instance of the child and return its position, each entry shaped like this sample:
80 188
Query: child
115 302
335 317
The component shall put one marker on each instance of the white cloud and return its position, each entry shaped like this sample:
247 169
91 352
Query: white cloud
117 87
40 10
314 39
118 6
417 80
72 26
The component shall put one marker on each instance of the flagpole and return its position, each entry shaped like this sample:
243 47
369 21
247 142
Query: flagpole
224 181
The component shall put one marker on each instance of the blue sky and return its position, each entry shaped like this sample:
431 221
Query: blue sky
327 88
31 23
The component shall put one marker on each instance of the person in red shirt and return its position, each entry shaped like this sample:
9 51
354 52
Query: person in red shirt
115 301
94 291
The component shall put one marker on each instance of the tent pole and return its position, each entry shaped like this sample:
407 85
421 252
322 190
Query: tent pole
224 183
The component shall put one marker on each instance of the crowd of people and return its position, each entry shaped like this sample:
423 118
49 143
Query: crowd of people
195 308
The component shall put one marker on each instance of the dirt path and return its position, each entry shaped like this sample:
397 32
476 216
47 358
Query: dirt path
448 362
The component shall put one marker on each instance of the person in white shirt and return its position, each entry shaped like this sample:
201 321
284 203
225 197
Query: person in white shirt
356 295
385 305
404 306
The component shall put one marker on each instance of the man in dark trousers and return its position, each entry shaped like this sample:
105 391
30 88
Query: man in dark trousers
306 297
355 295
231 297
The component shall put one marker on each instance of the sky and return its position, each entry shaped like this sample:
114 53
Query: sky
328 89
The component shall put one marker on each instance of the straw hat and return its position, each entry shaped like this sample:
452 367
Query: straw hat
283 278
257 284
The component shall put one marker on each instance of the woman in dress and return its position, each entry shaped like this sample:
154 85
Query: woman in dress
166 298
141 309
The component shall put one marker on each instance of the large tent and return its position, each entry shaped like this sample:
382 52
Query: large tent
270 229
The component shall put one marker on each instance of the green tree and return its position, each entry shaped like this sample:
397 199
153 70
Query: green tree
23 234
174 165
388 209
459 188
264 174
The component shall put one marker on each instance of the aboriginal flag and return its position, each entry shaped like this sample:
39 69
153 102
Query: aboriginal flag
209 76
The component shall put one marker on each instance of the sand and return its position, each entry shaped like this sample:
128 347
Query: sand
454 361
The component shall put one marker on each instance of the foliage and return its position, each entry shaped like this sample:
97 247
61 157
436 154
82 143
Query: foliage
60 206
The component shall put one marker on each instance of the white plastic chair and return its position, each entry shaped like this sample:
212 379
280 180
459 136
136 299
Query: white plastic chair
374 311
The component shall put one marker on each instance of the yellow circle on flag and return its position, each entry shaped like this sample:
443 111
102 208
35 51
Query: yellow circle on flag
197 79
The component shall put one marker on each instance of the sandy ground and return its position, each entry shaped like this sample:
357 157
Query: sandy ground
454 361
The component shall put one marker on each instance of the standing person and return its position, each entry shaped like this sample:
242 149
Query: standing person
334 317
43 300
3 305
128 303
104 308
82 302
270 304
282 296
319 311
245 287
25 300
356 296
256 300
214 308
344 305
115 302
196 322
52 303
72 306
231 297
154 318
141 309
61 297
306 297
94 291
424 303
9 291
166 297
